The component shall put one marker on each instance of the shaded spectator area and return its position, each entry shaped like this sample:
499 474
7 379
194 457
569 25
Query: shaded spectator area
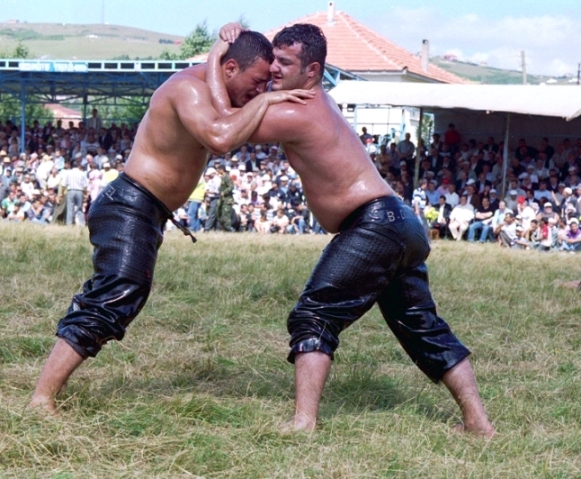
93 82
505 112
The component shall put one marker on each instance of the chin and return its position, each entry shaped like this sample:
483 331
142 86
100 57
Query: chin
276 85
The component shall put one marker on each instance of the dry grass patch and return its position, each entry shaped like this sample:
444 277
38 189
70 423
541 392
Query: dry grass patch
200 385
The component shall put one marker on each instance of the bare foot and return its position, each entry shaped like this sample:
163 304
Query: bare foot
298 425
43 404
485 430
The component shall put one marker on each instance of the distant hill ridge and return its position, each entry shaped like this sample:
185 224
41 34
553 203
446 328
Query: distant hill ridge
87 42
111 42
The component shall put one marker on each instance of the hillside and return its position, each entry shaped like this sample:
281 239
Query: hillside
87 42
487 74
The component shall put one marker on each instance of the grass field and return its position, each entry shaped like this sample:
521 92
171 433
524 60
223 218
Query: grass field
85 42
200 384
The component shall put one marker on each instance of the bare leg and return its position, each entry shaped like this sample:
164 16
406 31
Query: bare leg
461 383
311 373
61 363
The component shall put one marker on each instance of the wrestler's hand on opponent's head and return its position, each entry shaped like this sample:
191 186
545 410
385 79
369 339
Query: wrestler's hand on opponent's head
219 48
295 96
231 31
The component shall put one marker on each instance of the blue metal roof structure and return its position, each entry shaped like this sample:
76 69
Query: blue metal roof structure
52 81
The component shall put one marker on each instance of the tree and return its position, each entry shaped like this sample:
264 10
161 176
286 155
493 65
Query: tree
199 41
10 109
21 51
169 56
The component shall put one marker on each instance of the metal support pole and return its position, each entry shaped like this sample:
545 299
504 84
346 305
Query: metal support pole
418 159
355 117
505 156
22 118
85 102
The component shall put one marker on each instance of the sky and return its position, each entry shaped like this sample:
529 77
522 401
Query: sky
490 31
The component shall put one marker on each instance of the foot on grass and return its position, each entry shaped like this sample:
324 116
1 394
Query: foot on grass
298 425
43 404
485 430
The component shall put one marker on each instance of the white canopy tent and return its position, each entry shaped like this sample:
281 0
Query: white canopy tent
555 101
562 102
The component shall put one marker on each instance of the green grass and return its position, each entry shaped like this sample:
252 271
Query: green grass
200 384
85 42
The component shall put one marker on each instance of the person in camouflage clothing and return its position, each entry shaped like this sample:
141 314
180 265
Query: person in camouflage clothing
226 201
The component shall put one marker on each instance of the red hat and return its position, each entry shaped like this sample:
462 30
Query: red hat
445 181
521 200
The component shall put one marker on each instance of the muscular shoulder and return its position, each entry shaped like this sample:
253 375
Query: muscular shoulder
188 85
289 122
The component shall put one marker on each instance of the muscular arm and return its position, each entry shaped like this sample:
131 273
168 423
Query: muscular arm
190 98
214 79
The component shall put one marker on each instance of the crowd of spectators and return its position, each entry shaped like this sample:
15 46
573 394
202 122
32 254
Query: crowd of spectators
58 171
62 170
460 193
254 189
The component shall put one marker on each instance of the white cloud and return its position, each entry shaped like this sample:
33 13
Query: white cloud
552 43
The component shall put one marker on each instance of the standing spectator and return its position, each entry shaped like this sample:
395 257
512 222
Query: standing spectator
364 135
213 195
406 148
452 138
95 177
194 203
225 200
109 174
95 121
76 184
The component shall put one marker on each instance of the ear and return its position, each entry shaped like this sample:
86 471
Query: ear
230 68
314 70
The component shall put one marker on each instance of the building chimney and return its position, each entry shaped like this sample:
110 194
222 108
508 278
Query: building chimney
331 13
425 57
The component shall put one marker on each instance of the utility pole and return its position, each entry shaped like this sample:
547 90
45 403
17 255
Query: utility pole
578 73
524 67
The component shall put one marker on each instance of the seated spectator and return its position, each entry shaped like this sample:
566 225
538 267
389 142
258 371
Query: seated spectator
571 240
299 223
507 230
545 236
460 218
440 225
547 211
279 222
531 235
262 225
35 212
482 222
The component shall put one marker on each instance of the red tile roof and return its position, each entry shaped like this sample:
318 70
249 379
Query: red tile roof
353 47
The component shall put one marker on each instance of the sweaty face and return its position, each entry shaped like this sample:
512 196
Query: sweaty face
243 86
286 69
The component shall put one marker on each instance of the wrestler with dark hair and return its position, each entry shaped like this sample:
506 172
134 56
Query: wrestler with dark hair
379 253
126 221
